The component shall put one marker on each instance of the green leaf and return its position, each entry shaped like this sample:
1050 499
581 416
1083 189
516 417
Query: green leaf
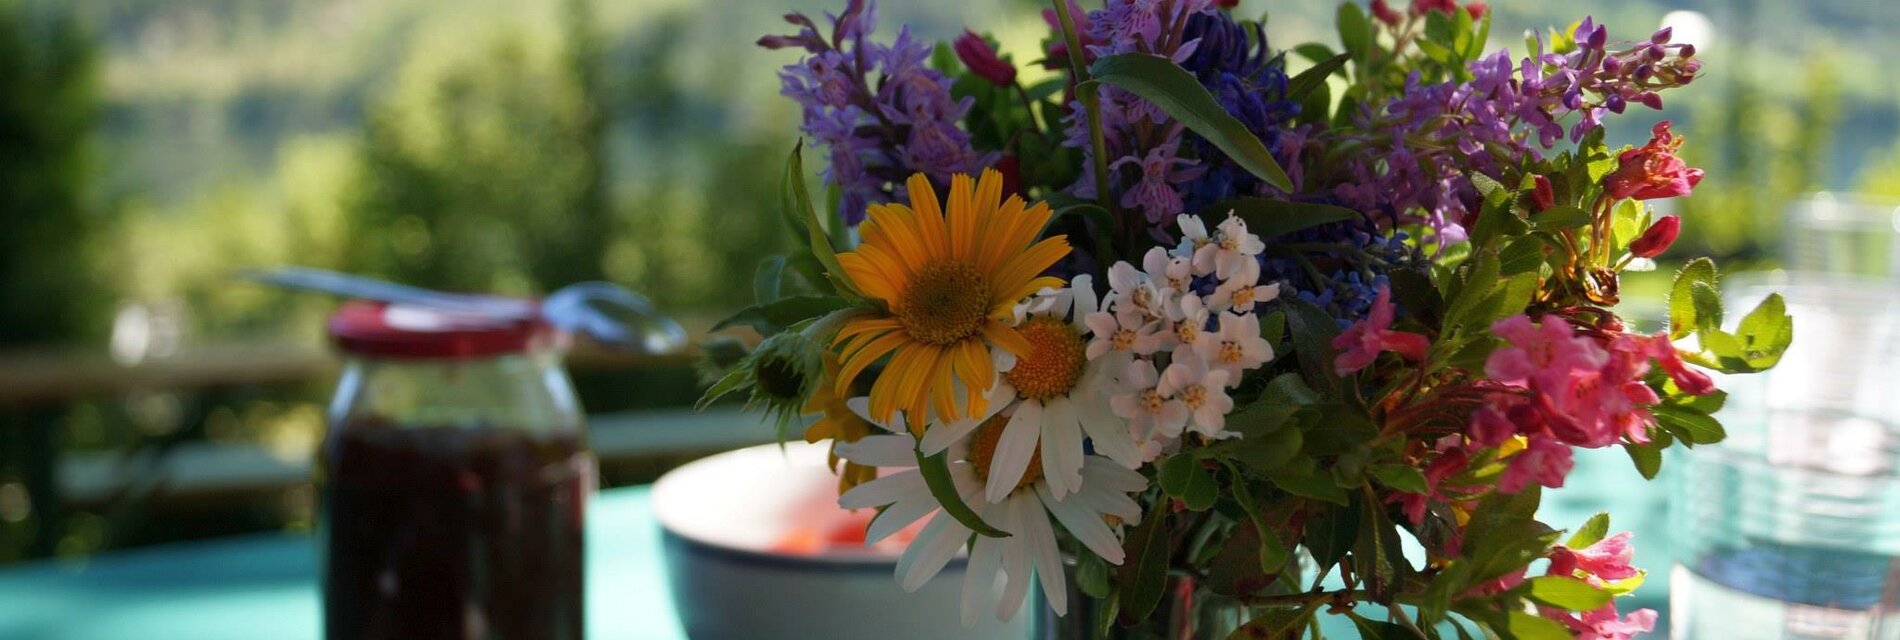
1708 306
774 317
1314 52
1288 388
765 281
1766 333
1526 626
1569 594
1144 575
1102 222
1091 575
1283 622
1268 451
1313 332
1687 424
1330 533
1522 255
1380 630
936 472
1269 218
1178 93
1182 476
1304 478
731 382
1593 531
1312 78
1683 316
1559 218
1355 31
1403 477
1646 457
798 207
1377 558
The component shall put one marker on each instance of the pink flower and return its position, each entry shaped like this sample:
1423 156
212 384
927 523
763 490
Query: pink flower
1652 170
1441 6
977 54
1361 343
1477 10
1692 382
1606 561
1658 238
1543 353
1543 460
1451 459
1603 623
1498 585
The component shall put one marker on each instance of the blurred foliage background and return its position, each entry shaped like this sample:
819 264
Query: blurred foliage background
151 149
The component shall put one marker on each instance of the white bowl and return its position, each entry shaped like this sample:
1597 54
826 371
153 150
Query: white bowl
720 519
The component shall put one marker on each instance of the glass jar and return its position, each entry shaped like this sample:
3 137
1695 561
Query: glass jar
454 480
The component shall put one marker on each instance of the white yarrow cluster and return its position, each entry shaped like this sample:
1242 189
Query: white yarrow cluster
1183 350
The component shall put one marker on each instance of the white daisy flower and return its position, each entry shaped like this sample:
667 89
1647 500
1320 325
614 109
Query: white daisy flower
1202 390
1241 292
1024 513
1061 396
1236 348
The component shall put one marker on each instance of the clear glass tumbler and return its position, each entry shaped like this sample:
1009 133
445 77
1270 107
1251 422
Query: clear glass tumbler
1791 527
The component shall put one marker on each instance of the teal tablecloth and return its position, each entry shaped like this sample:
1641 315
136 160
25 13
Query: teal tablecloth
263 586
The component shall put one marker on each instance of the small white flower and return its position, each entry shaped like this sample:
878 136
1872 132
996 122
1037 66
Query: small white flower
1151 411
1235 245
1192 329
1241 292
1203 392
1125 334
1175 274
1193 236
1130 288
1236 348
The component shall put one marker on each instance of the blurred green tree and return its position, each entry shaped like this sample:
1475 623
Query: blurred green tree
50 287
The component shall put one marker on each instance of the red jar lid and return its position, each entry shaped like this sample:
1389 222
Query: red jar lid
402 331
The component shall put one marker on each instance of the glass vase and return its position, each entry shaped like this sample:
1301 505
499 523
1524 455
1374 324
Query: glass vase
1186 611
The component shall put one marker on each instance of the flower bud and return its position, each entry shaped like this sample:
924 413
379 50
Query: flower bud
1644 72
1385 14
1662 35
1615 103
1543 197
1599 37
1650 99
1654 52
976 53
1477 10
1227 4
1658 238
1686 51
1612 65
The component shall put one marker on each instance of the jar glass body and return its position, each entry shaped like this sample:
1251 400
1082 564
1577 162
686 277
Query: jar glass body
453 496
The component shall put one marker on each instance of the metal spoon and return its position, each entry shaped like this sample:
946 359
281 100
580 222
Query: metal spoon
606 312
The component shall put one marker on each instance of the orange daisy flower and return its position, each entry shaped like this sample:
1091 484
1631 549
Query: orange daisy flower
949 277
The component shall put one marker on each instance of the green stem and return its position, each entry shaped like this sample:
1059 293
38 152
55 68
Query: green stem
1091 103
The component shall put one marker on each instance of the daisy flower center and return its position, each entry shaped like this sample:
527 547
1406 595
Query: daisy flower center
945 304
983 452
1055 364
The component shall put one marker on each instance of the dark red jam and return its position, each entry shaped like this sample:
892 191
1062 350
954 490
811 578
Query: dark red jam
453 533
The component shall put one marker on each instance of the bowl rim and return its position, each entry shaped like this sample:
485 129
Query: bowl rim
673 482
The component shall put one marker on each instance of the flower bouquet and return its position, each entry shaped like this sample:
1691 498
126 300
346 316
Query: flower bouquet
1178 324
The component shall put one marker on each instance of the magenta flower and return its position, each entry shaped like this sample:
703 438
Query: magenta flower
1653 170
1360 344
977 54
1606 561
1689 380
1658 238
1543 353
